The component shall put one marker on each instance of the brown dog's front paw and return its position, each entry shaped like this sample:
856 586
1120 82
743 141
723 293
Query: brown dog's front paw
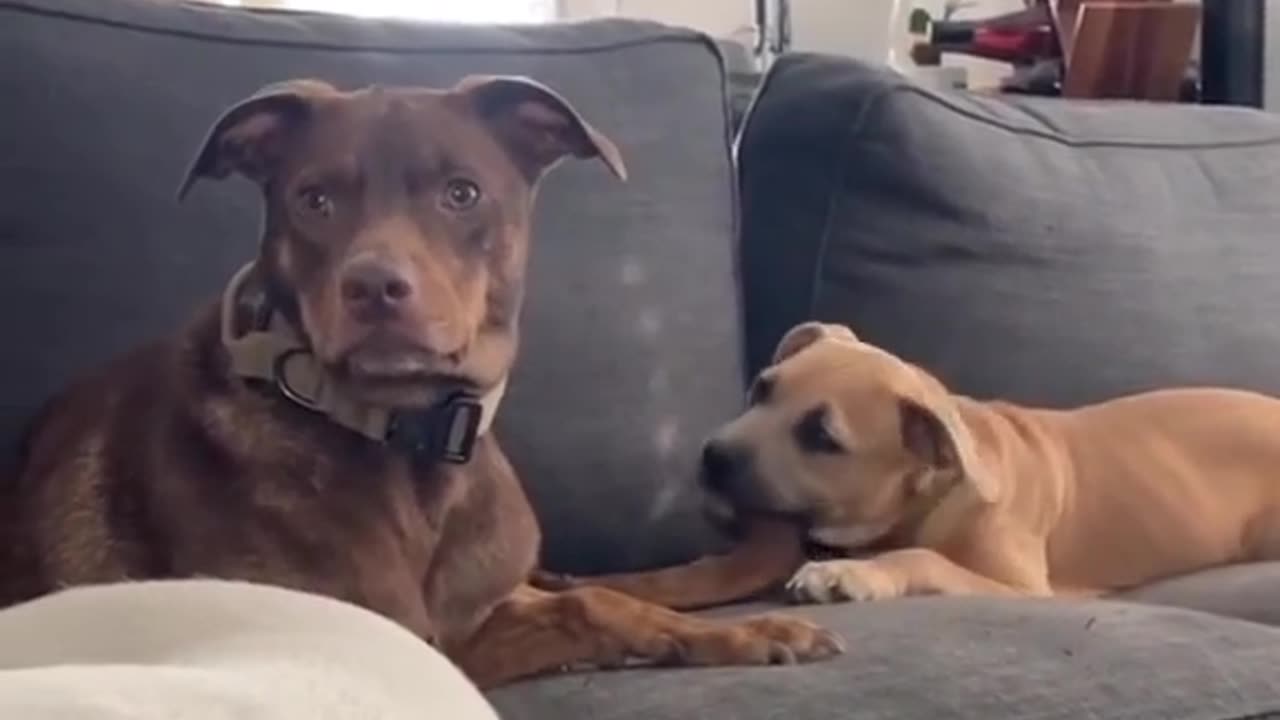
796 640
772 639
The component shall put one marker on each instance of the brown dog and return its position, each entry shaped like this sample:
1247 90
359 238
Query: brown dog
947 495
323 427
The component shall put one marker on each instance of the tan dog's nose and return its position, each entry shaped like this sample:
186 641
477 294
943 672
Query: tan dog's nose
373 289
720 466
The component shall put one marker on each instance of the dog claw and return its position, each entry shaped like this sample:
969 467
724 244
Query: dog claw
832 581
839 591
796 591
828 644
772 639
794 640
805 589
612 663
553 582
678 652
780 654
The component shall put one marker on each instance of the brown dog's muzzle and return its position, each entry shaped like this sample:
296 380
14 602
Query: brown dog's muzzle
374 290
386 309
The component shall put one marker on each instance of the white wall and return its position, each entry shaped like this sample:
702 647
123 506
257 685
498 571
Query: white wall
722 18
859 28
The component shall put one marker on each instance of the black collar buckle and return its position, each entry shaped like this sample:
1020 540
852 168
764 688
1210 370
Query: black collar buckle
445 432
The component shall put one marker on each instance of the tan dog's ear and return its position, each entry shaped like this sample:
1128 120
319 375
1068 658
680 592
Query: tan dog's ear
933 431
806 334
248 137
536 125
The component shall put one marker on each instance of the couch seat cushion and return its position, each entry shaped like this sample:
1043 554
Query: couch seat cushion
959 659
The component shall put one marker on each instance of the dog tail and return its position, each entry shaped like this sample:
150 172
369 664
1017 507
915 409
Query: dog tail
769 553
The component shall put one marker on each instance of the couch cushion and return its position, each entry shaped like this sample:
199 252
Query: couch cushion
1247 592
631 345
1042 250
957 658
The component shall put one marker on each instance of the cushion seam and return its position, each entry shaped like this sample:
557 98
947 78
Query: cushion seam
1262 715
833 198
740 250
941 100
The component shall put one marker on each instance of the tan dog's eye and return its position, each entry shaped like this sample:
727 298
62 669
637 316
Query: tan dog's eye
813 435
461 194
315 201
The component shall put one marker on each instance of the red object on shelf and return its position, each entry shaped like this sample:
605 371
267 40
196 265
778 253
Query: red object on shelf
1023 37
1013 46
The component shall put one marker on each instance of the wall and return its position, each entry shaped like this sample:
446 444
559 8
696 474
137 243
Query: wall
722 18
859 28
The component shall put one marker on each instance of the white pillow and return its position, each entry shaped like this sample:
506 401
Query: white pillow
218 650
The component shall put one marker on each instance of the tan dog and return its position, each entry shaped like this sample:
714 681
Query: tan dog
943 494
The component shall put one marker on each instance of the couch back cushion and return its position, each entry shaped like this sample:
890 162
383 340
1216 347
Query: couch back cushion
1047 251
631 343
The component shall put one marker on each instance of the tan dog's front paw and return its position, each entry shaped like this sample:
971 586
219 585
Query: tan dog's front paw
831 581
771 639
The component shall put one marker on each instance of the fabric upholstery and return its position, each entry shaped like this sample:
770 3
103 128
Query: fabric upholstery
956 659
632 328
1038 250
1247 592
631 343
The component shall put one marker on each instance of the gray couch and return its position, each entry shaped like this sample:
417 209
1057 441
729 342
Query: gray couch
1041 251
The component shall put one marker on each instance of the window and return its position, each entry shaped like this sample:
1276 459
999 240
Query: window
477 11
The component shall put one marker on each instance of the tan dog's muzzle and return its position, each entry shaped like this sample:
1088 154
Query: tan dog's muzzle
733 486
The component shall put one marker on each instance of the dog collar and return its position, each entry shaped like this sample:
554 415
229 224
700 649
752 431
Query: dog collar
272 352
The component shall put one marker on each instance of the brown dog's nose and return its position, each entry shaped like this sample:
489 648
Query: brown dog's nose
372 284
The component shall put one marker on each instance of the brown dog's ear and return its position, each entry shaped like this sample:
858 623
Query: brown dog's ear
806 334
248 137
536 125
933 431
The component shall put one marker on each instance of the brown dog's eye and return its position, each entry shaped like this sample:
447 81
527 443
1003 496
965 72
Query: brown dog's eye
316 201
812 433
461 194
